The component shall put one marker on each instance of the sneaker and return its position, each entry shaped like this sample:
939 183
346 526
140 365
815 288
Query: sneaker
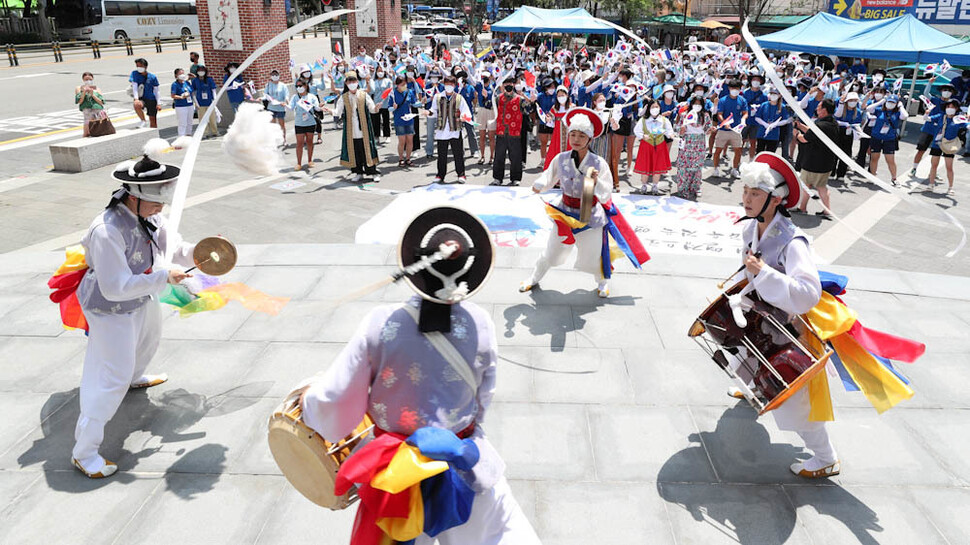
735 173
142 125
912 171
437 179
893 181
514 183
462 179
357 178
496 182
376 178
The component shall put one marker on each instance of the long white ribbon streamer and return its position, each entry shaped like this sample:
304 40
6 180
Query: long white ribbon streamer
806 119
192 152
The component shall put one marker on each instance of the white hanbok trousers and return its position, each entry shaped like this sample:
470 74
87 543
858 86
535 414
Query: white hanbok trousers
120 347
793 416
589 248
496 519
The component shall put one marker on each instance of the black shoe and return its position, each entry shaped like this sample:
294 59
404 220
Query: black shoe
513 183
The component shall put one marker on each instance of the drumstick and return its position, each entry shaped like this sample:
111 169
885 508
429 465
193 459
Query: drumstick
212 257
721 284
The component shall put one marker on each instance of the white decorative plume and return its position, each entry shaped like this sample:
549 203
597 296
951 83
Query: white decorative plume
757 176
253 140
181 142
155 147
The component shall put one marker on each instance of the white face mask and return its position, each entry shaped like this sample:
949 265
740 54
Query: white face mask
891 105
141 69
380 74
946 94
306 75
654 112
201 73
877 77
89 82
755 84
562 100
774 98
449 89
550 91
600 104
851 104
698 93
352 86
274 77
232 69
951 111
340 69
878 96
301 90
669 95
734 93
183 77
695 108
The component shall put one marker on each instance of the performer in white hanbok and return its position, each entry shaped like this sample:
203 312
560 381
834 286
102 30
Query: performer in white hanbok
571 170
124 250
778 263
428 363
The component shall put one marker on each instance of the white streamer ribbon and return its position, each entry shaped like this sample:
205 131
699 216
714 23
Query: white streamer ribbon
192 152
780 85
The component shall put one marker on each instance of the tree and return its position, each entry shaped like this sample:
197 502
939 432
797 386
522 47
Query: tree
43 25
750 9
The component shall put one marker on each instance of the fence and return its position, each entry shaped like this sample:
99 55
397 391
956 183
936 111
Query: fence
56 51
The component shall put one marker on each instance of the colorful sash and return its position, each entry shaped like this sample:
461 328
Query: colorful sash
618 237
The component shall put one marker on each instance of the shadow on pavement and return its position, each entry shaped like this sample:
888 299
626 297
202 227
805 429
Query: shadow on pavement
166 416
742 454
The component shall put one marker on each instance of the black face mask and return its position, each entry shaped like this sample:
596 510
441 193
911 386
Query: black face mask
509 88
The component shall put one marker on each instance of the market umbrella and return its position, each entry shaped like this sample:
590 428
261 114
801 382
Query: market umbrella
732 39
712 24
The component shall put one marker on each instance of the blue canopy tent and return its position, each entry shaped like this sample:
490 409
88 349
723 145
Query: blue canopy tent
903 38
958 55
570 21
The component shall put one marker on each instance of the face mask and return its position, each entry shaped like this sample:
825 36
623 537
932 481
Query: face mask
695 108
669 95
449 89
301 90
89 82
946 94
380 74
556 71
232 69
891 105
698 93
877 77
509 88
274 77
352 86
851 104
508 66
774 98
550 91
951 111
734 93
562 100
202 73
654 112
844 74
434 79
141 69
600 104
183 77
878 96
755 84
340 69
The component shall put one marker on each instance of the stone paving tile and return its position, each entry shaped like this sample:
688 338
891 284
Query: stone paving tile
284 365
676 377
38 364
13 484
528 324
206 367
943 433
581 375
884 515
210 509
577 512
946 508
542 441
32 317
24 413
298 521
66 507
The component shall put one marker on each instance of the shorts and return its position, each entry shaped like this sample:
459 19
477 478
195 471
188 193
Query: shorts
815 179
484 116
887 147
938 152
724 139
305 130
749 132
545 129
404 130
278 115
151 106
925 139
626 127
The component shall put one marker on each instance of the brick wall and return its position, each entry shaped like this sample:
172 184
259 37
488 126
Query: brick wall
388 25
259 23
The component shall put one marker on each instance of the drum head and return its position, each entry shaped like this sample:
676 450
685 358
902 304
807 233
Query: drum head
215 256
302 456
798 383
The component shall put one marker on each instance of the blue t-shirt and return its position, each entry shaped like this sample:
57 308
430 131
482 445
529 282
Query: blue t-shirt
148 83
733 107
951 131
669 110
485 94
886 125
181 87
546 101
279 92
469 93
754 98
769 112
205 90
235 95
400 103
303 109
858 69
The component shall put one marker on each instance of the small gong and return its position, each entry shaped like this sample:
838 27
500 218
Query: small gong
215 256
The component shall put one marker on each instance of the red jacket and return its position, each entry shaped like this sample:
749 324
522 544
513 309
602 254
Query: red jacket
509 120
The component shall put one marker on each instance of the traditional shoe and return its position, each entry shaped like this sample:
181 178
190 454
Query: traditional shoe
526 285
735 392
147 381
603 290
831 470
107 470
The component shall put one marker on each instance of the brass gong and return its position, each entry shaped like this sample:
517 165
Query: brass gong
215 256
586 202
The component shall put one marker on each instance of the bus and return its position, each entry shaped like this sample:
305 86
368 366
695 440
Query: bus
107 20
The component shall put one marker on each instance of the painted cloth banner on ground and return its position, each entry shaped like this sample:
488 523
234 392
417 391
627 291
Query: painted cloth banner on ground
516 217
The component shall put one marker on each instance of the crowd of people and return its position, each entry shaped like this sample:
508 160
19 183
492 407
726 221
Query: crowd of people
496 106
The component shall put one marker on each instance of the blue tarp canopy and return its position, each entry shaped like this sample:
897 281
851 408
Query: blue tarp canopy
957 55
570 21
903 38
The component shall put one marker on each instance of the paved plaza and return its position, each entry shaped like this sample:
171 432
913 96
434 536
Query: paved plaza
615 426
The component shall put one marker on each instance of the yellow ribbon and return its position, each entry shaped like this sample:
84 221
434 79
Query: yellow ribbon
74 260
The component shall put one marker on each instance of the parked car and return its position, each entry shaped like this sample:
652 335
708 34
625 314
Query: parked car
446 33
905 71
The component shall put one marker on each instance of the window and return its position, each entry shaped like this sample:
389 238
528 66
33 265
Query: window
183 9
150 8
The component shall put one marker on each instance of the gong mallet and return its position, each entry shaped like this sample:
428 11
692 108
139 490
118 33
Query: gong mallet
212 257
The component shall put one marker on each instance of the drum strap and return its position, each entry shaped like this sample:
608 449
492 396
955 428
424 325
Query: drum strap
447 351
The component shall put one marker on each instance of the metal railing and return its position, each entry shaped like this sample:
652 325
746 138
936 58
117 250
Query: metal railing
57 49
